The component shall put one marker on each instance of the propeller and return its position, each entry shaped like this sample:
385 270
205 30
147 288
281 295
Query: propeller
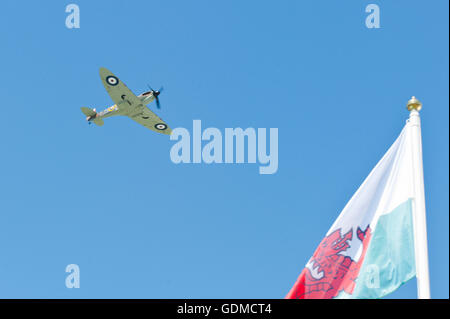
155 94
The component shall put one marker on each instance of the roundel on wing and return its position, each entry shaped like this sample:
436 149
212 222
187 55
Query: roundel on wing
160 126
112 80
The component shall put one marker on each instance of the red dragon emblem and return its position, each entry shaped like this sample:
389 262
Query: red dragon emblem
328 272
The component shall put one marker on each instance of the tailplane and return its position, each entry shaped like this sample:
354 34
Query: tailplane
91 116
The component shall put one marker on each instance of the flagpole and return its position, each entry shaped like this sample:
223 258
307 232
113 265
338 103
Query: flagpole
419 213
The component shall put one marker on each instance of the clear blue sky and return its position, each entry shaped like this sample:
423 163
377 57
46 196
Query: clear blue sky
110 200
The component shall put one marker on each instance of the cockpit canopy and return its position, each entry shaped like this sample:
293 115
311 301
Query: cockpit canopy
146 93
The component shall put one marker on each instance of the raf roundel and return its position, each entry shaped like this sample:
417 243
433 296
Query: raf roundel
112 80
161 126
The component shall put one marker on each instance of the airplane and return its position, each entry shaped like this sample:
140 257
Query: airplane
128 104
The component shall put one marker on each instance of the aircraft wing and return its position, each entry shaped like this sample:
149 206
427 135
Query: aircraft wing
117 90
150 120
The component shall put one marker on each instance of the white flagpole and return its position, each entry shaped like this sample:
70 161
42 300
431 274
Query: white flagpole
419 213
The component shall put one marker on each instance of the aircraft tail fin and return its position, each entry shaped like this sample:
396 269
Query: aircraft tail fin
88 112
91 116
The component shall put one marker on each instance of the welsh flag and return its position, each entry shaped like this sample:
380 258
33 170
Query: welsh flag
369 250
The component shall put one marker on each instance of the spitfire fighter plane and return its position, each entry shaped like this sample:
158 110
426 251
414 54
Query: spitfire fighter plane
128 104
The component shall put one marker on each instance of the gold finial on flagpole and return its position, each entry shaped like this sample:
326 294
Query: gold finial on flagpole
414 104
